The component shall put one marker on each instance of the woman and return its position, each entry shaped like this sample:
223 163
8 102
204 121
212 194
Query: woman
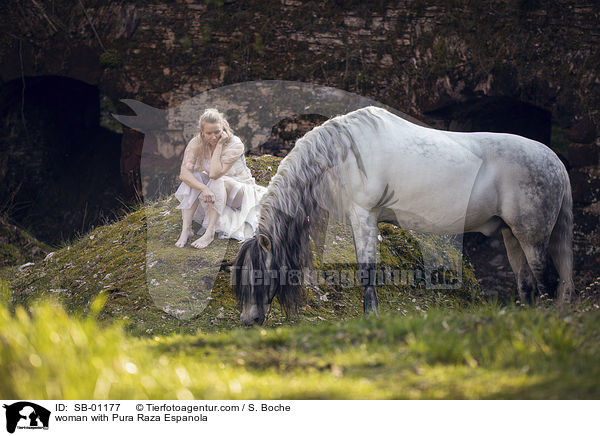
217 188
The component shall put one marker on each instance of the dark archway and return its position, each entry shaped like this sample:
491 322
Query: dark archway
59 165
285 133
495 114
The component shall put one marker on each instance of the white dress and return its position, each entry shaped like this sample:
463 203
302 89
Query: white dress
237 220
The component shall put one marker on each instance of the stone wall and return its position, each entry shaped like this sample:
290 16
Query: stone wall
415 56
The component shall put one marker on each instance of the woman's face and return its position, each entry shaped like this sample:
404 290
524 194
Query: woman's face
211 133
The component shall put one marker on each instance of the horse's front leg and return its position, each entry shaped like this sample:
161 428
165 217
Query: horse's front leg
364 228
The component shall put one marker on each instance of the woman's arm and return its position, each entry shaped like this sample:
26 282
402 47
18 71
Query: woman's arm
218 165
187 176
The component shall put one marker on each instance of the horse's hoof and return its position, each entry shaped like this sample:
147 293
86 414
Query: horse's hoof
564 300
371 309
370 303
373 312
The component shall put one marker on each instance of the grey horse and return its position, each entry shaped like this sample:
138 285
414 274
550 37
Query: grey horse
370 166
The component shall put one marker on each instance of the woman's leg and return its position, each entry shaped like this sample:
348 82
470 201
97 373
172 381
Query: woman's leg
234 202
217 186
221 189
208 236
186 228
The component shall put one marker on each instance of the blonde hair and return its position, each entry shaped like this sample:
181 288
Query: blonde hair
212 115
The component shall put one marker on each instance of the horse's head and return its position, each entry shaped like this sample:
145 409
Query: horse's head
253 282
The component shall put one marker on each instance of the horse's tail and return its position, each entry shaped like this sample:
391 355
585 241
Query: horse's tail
561 245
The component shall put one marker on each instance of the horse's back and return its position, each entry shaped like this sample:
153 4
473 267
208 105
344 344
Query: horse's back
528 177
424 176
444 177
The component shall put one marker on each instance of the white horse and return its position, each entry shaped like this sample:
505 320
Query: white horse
370 166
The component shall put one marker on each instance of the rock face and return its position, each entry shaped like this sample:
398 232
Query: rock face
423 58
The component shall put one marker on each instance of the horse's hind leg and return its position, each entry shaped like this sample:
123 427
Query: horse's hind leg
518 263
364 229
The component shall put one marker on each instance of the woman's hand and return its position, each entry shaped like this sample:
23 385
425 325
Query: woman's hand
208 196
224 138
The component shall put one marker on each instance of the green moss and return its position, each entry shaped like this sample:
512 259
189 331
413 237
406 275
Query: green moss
186 43
263 167
258 44
109 58
9 254
215 3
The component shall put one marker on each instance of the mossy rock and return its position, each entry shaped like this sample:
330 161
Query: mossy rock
160 289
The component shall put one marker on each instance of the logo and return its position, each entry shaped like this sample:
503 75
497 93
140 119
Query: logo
26 415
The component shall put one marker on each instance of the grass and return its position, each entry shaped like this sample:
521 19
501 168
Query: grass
17 246
484 352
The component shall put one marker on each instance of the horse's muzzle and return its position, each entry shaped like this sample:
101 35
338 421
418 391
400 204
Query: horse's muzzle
249 321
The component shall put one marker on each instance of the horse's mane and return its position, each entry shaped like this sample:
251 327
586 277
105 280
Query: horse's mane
307 184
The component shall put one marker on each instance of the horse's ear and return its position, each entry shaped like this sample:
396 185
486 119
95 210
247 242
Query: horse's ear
264 242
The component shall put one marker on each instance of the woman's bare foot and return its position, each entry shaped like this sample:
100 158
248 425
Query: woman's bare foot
204 240
183 238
